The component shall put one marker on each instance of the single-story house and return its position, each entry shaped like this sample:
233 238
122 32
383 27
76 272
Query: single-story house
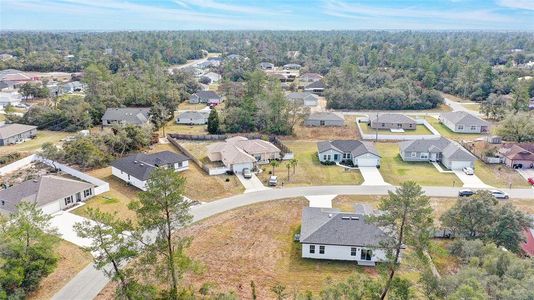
209 97
327 233
392 121
463 122
16 133
136 169
10 97
292 67
518 156
212 76
316 87
310 77
325 119
449 153
306 99
361 154
204 65
50 193
126 115
238 153
193 117
266 66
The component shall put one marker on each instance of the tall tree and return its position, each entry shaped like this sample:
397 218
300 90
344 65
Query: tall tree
161 210
517 127
407 218
213 122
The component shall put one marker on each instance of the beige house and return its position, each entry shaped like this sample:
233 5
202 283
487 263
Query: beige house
392 121
238 153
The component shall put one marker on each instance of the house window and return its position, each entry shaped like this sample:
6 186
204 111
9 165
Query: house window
352 251
414 154
336 157
411 125
321 249
424 155
68 200
383 124
366 254
322 123
473 127
312 249
87 193
460 127
399 125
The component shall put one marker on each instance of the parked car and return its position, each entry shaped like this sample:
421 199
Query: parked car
469 171
466 193
273 181
247 173
531 180
499 194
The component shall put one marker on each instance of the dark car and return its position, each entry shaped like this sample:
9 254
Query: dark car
466 193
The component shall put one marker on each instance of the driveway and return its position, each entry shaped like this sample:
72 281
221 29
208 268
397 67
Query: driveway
471 181
372 176
323 201
251 185
64 222
526 173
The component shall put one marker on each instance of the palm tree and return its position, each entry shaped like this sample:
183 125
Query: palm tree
288 166
294 162
274 163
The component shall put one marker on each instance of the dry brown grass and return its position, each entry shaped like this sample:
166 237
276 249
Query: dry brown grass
346 132
72 260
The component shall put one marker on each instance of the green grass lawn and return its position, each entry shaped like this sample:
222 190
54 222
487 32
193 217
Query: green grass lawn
43 136
395 170
472 106
309 171
419 130
499 175
447 133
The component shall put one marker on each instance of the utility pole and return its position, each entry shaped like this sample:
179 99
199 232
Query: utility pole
376 129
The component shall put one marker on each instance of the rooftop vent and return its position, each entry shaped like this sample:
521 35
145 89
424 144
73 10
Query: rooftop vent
329 215
354 218
345 218
135 161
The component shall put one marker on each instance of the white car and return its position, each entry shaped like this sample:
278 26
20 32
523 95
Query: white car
499 194
469 171
273 181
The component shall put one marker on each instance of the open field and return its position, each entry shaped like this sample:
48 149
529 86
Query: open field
72 259
499 175
419 130
472 106
348 131
172 127
395 170
447 133
43 136
309 171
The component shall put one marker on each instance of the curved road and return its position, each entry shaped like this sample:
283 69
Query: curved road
89 282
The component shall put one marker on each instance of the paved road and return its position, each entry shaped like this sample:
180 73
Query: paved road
188 64
89 282
456 106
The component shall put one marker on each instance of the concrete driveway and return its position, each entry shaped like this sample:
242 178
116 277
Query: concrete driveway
323 201
471 181
64 222
526 173
251 185
372 176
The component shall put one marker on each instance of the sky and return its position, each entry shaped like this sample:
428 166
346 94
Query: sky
104 15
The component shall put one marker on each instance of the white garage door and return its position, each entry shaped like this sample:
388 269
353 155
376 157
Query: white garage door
367 162
238 168
457 165
51 208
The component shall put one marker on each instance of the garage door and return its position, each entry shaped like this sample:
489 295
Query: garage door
51 208
367 162
238 168
456 165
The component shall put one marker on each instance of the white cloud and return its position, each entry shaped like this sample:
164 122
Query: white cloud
217 5
519 4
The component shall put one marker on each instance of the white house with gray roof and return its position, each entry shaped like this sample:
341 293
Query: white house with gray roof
325 119
126 115
136 169
16 133
463 122
392 121
361 154
193 117
50 193
303 98
316 87
327 233
449 153
208 97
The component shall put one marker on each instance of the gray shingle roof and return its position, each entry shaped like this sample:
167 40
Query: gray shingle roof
300 95
129 115
332 227
326 116
43 190
316 85
141 165
355 147
206 95
463 118
458 153
393 118
448 149
9 130
194 115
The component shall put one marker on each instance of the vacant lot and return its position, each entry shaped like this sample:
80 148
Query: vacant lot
499 175
309 171
395 170
348 131
43 136
72 259
172 127
472 106
419 130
